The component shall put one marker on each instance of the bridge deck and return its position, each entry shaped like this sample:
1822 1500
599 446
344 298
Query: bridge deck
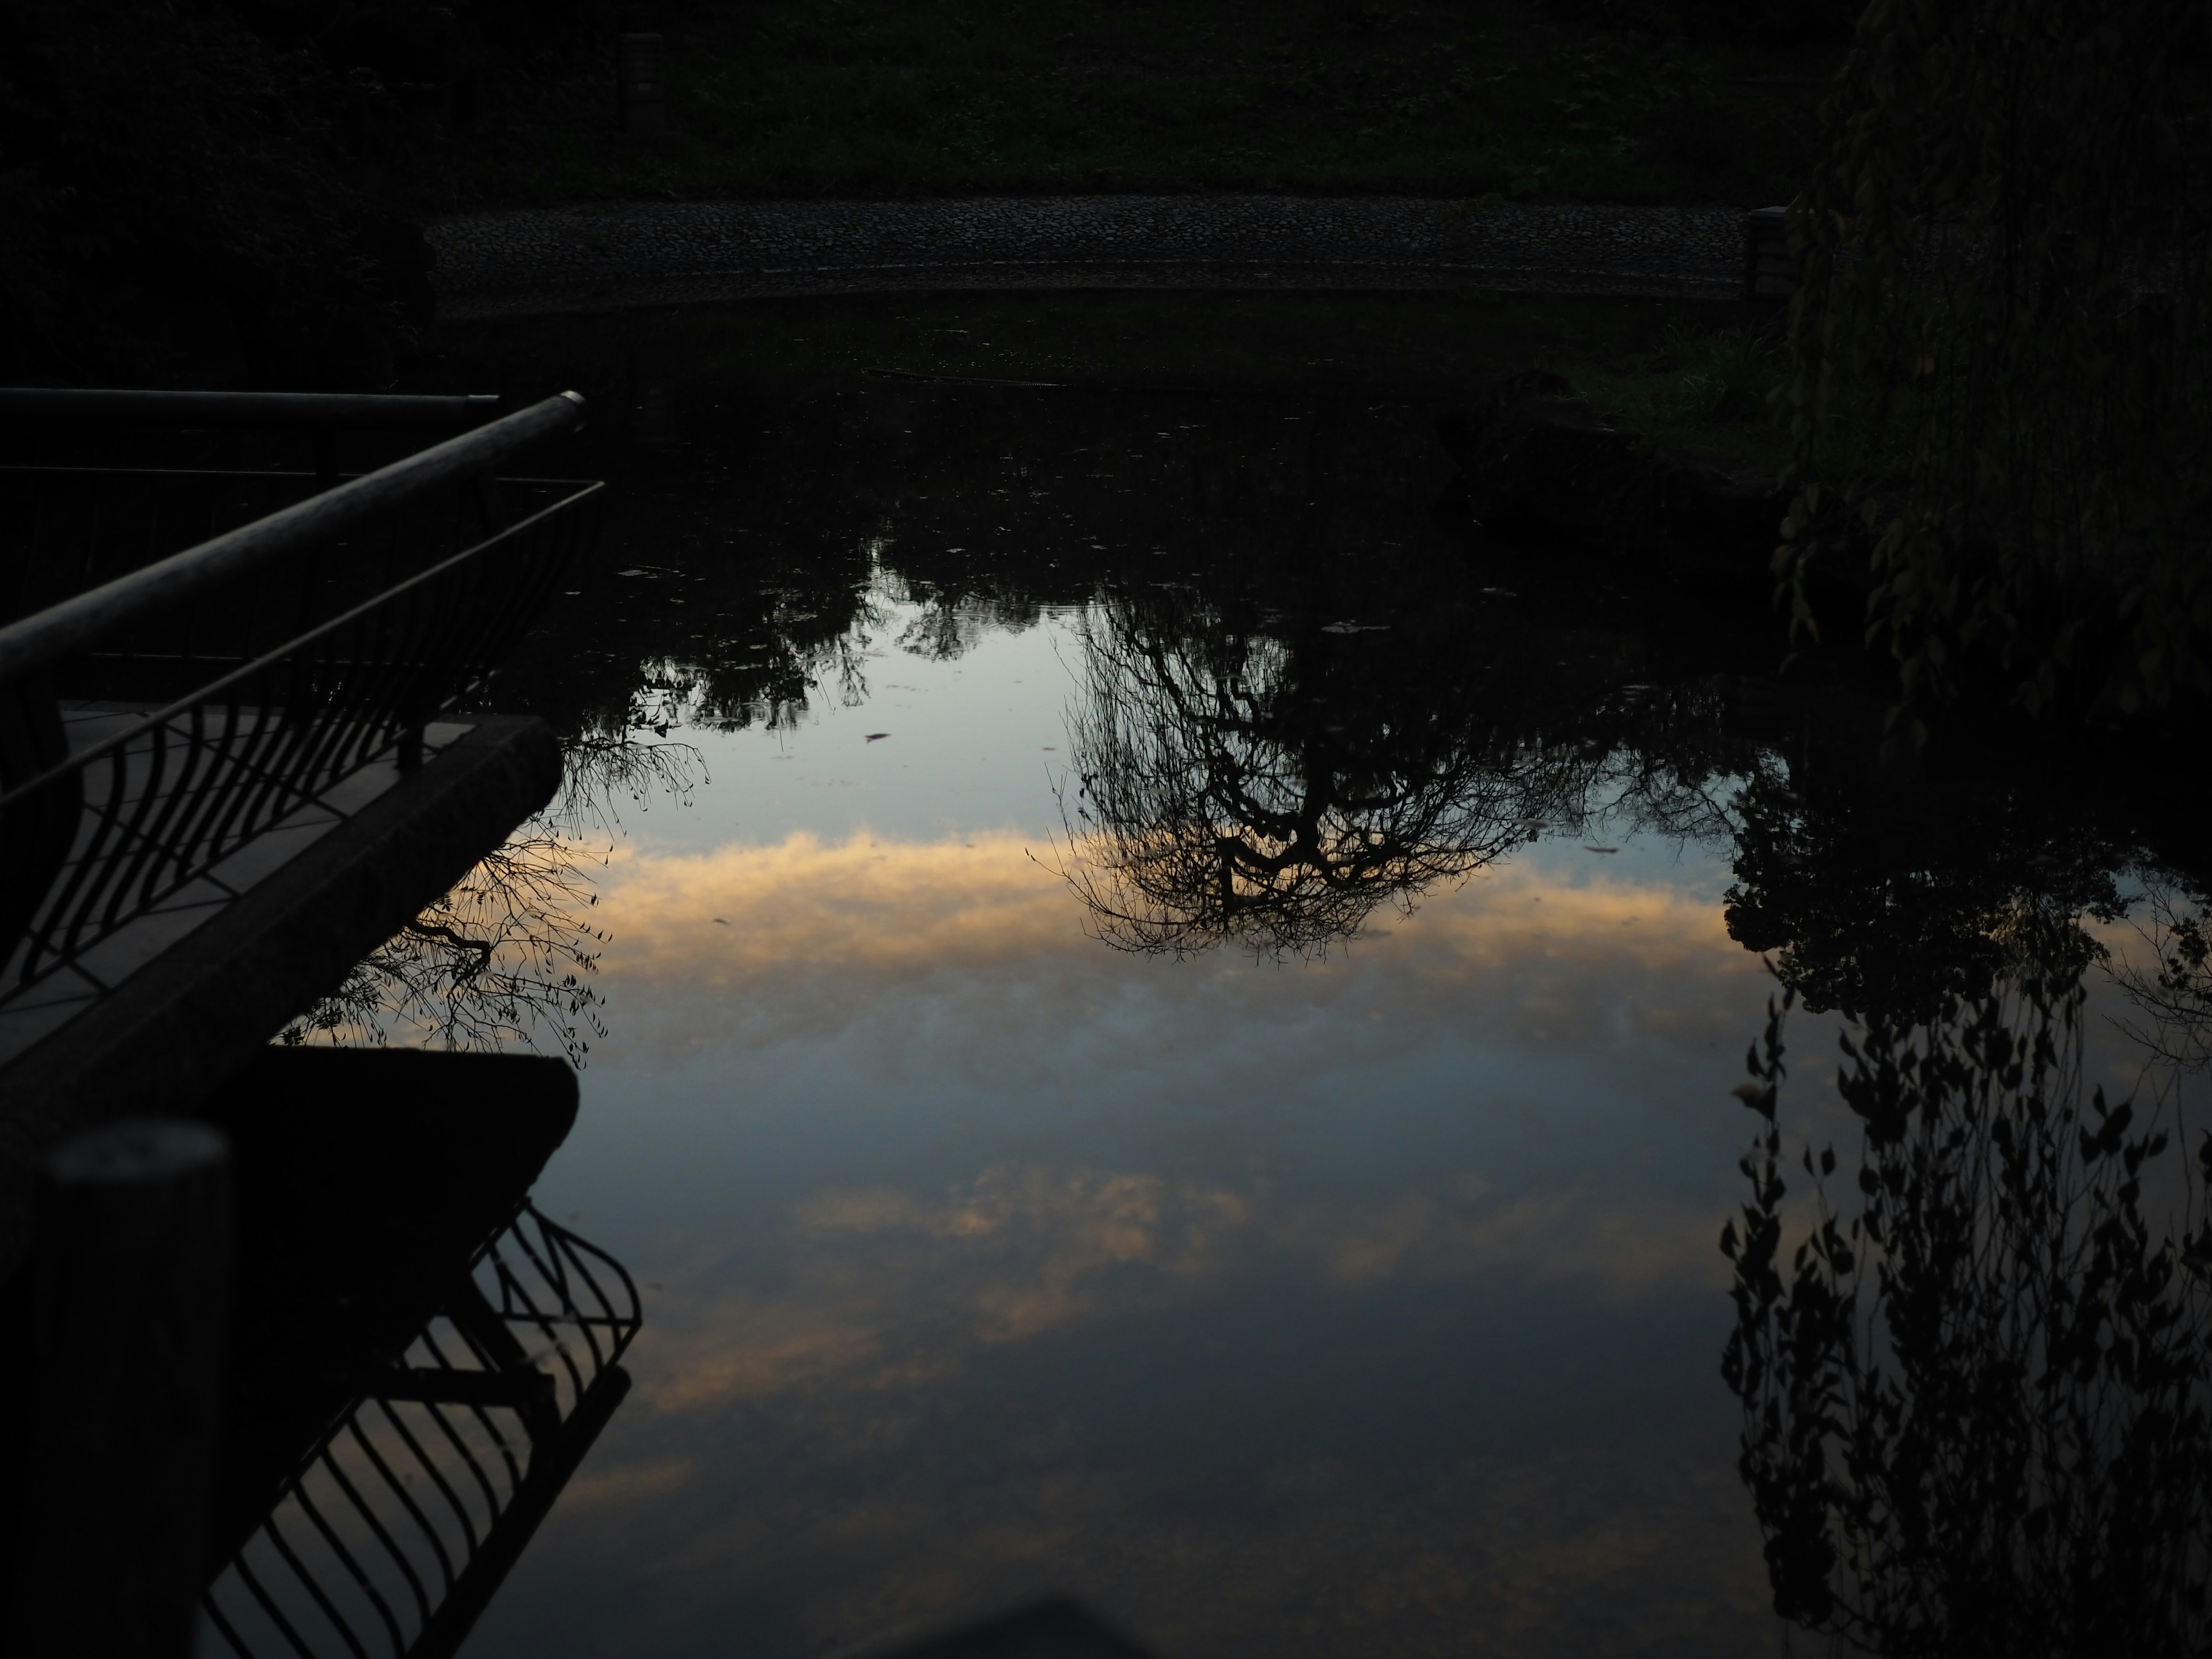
157 1014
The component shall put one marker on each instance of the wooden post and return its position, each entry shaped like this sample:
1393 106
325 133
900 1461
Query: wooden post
642 84
126 1302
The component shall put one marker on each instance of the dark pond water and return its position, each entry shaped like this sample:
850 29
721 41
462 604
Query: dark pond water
1166 1025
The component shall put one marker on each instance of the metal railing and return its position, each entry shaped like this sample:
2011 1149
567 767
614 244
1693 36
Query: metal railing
162 704
399 1524
245 409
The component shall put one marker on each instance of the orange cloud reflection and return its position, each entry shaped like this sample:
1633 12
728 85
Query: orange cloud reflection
795 939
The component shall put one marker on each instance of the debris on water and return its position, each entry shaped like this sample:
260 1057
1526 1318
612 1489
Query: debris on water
877 737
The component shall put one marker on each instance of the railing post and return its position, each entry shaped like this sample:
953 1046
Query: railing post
127 1301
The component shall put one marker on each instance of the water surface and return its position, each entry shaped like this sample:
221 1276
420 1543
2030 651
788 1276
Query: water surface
1167 1032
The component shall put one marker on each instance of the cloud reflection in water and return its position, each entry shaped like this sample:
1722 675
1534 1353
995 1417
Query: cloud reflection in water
894 1391
834 937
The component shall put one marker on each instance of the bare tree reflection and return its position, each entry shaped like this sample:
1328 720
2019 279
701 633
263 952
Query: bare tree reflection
1234 785
1977 1387
600 769
506 956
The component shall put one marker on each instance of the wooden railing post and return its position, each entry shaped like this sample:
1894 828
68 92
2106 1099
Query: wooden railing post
126 1304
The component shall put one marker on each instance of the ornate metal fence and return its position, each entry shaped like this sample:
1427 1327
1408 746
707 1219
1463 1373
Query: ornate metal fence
163 704
402 1520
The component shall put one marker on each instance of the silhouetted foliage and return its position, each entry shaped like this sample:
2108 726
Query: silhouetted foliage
168 195
1977 1389
216 190
1883 902
2003 345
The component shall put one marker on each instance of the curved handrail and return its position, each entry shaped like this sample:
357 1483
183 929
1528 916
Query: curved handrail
38 643
395 1529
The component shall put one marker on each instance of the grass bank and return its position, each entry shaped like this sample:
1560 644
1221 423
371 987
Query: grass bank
907 97
1704 384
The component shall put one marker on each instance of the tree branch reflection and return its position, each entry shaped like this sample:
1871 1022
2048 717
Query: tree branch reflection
1235 786
1977 1387
506 957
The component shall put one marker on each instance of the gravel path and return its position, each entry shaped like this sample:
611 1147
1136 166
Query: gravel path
532 261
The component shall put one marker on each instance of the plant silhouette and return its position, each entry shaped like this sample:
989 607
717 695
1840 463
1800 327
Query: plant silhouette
1977 1390
506 956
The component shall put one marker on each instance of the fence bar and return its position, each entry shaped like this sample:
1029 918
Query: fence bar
275 408
40 642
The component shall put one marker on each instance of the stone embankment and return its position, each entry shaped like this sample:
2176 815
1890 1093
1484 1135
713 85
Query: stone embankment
611 255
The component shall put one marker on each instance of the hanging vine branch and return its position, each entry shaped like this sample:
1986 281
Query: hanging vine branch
2003 347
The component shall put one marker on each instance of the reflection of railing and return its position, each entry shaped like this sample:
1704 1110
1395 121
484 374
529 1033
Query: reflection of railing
401 1522
158 710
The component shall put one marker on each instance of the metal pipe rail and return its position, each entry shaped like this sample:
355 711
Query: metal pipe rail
35 644
156 722
280 409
